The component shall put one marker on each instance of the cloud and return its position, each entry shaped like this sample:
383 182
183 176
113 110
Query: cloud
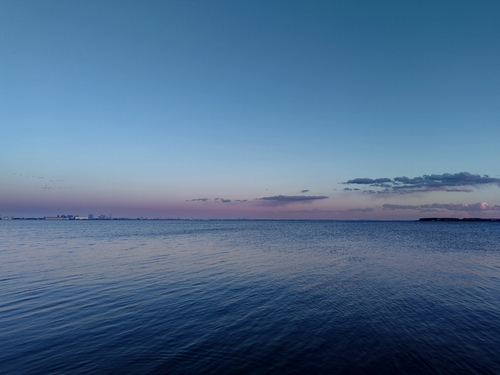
463 190
439 207
222 200
313 211
366 209
287 199
293 198
304 191
368 181
447 182
319 211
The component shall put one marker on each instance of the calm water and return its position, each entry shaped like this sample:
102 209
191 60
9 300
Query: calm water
252 297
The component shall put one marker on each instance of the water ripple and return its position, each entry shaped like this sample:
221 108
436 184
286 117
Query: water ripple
249 297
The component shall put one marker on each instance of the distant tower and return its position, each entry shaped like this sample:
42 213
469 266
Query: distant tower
91 216
110 215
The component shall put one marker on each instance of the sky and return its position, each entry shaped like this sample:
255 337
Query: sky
250 109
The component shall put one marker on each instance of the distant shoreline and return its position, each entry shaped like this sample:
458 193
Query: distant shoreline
454 219
475 219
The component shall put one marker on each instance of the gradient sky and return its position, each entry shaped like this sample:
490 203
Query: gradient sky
182 108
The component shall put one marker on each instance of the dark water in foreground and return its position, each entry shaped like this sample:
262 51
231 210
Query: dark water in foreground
249 297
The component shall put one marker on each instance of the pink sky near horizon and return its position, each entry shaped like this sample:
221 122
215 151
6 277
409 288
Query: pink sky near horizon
30 200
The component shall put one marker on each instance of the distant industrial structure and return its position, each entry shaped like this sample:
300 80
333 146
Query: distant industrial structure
91 217
65 217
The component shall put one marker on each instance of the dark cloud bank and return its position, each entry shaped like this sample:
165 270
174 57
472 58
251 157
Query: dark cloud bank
457 182
440 207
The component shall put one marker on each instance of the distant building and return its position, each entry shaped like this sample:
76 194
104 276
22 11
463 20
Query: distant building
91 216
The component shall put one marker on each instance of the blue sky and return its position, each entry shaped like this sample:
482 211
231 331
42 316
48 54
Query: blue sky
137 108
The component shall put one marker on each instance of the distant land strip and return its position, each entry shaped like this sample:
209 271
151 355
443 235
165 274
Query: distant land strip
455 219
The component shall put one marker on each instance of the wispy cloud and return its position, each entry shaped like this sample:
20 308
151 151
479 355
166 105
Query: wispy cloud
447 182
320 211
352 210
440 207
217 200
293 198
313 211
287 199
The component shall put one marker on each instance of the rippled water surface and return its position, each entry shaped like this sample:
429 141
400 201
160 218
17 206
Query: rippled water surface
233 297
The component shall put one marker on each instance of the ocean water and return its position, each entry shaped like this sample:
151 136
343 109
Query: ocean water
249 297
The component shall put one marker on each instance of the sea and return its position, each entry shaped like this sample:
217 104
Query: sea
249 297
